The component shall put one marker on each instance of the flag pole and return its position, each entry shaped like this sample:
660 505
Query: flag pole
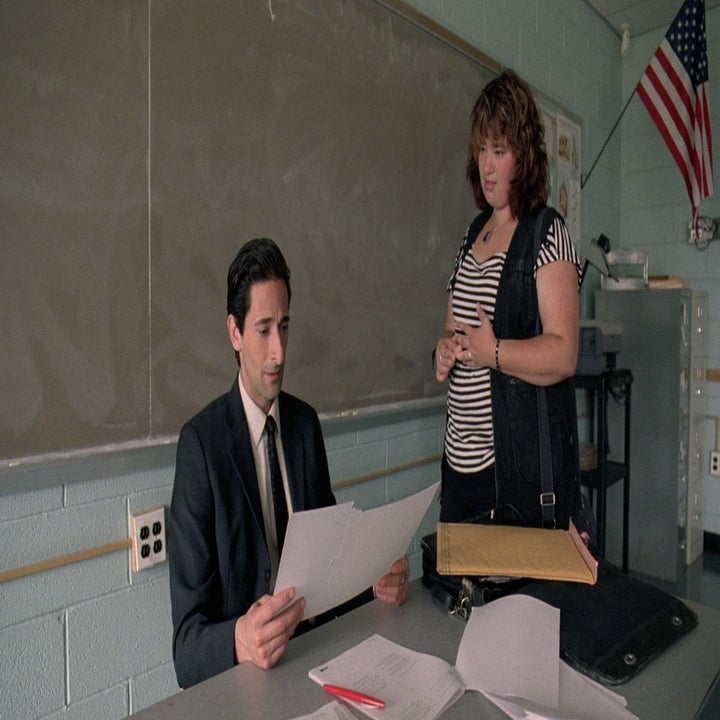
602 149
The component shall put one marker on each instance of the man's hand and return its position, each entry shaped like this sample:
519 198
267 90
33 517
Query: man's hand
261 635
392 588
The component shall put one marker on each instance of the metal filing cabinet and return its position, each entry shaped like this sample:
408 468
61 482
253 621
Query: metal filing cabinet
696 442
659 328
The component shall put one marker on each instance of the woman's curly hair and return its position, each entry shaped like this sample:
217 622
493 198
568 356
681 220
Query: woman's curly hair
506 110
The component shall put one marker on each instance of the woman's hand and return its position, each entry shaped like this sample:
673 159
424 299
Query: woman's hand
476 343
445 356
543 359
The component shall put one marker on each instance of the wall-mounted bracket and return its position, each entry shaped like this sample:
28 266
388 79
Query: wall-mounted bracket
707 229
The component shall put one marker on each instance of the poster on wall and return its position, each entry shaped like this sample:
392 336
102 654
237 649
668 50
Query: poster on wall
548 121
566 193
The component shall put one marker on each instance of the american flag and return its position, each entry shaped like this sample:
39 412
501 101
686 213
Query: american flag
674 89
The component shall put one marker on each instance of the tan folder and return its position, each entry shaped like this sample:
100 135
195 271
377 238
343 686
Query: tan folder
505 550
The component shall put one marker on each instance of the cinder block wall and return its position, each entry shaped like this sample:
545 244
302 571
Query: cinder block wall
90 637
93 639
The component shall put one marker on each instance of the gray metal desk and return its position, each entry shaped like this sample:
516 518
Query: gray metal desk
670 688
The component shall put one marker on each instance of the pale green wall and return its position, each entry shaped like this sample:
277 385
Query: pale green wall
569 54
655 211
635 195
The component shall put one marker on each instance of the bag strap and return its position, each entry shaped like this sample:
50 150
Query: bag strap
469 240
547 490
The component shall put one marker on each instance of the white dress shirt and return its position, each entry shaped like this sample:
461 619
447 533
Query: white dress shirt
256 419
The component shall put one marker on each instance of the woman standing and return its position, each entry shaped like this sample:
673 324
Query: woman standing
511 328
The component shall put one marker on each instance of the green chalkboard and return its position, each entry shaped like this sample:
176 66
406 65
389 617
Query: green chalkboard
142 143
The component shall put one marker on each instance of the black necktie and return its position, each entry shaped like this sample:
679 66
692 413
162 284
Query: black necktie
278 491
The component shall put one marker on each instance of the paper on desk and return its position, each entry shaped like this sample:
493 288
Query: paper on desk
580 699
509 652
412 684
511 647
421 686
331 554
331 711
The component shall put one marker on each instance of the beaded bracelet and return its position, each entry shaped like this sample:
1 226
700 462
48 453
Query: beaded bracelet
497 355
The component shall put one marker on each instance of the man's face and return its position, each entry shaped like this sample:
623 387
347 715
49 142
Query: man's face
262 343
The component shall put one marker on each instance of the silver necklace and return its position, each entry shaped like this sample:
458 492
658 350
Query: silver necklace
488 234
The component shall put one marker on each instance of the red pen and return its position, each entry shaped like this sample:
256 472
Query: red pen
354 696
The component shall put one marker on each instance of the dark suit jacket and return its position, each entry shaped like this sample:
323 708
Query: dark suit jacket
219 563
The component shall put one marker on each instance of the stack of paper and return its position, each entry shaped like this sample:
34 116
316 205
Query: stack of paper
333 553
412 684
509 652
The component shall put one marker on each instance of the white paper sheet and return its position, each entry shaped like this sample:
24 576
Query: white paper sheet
332 711
580 699
332 554
511 647
509 652
412 684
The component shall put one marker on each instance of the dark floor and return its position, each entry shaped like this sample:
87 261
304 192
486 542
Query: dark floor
701 581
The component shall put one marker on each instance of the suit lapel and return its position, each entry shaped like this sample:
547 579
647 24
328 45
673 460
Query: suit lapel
293 453
241 455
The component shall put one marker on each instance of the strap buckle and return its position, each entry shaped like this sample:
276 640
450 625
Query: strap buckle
466 599
547 499
463 607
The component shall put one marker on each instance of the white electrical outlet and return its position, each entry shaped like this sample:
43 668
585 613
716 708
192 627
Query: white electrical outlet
147 530
715 463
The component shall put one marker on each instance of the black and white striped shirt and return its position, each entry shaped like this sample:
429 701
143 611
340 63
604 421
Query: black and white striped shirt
469 433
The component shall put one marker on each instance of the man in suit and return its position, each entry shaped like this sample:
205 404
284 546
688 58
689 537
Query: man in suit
225 539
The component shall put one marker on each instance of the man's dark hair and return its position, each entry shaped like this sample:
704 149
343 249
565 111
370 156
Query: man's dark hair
257 260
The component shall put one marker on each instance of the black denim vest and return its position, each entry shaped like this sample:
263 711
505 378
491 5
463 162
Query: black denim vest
514 402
